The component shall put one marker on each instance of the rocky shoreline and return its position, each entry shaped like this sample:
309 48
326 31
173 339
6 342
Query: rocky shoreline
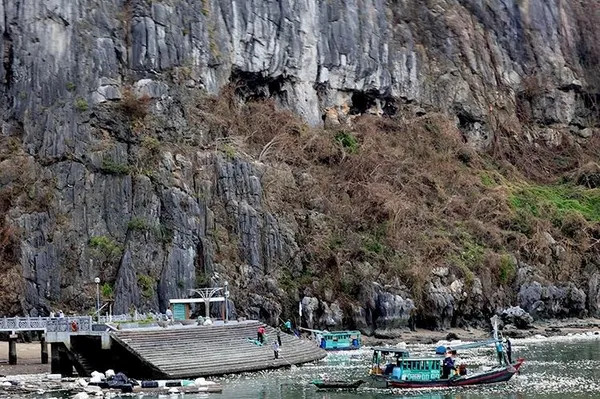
547 328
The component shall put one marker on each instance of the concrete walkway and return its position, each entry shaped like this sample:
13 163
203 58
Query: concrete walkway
213 350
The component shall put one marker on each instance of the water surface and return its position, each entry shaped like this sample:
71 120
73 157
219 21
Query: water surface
560 367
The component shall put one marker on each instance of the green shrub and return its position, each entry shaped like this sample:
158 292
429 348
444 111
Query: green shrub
105 245
81 105
111 167
348 141
373 245
229 151
107 291
138 224
71 86
146 284
472 254
151 144
507 269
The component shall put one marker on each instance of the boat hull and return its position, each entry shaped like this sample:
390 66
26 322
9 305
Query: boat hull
338 384
489 377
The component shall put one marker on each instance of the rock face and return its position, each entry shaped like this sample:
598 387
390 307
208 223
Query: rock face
517 317
153 220
543 301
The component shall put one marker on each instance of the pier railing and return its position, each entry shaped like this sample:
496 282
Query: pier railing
48 324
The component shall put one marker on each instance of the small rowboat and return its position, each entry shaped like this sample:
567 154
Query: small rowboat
332 384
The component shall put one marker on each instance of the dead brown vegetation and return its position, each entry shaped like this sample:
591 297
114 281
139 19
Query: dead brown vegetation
133 106
405 196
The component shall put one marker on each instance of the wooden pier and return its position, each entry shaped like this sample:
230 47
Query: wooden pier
197 351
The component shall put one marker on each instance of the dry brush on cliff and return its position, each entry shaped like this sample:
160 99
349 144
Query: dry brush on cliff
406 196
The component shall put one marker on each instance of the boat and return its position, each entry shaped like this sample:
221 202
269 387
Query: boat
336 340
333 384
430 376
395 368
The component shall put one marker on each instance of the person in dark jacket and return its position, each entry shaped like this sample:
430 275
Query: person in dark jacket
448 365
279 336
509 350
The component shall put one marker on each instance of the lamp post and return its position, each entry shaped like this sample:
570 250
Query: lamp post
226 295
97 281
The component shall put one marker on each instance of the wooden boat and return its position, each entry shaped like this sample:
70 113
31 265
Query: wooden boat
332 384
497 374
336 340
396 369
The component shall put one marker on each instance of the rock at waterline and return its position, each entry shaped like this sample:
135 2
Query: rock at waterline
518 317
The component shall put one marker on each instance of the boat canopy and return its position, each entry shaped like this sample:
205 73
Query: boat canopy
388 350
440 350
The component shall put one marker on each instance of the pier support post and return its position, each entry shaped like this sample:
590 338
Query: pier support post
12 349
59 360
43 348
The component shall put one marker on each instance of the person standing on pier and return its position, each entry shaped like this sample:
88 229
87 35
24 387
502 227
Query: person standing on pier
260 334
276 349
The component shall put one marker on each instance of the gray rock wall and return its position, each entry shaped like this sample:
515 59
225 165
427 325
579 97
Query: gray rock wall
154 225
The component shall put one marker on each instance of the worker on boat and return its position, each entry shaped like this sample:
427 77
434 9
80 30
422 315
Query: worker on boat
459 369
288 326
509 350
448 364
500 351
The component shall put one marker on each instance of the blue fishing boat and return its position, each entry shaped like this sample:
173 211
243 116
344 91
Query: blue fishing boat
397 369
336 340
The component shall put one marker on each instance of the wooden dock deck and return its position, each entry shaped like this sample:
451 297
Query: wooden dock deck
213 350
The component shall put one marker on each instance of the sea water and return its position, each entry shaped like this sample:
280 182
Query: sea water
558 367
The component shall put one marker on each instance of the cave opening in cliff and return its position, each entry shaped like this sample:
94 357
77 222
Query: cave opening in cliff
252 86
371 102
362 102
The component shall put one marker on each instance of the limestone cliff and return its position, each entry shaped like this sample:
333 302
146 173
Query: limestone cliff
110 165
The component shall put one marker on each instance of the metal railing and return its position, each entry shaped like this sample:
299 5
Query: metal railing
136 317
48 324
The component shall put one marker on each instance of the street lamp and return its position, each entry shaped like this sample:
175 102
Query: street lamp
97 281
226 294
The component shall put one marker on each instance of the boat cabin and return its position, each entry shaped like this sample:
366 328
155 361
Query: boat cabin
418 369
386 359
339 340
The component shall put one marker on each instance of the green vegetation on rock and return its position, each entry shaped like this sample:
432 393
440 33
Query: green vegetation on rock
107 291
146 284
105 245
557 201
348 141
111 167
81 105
